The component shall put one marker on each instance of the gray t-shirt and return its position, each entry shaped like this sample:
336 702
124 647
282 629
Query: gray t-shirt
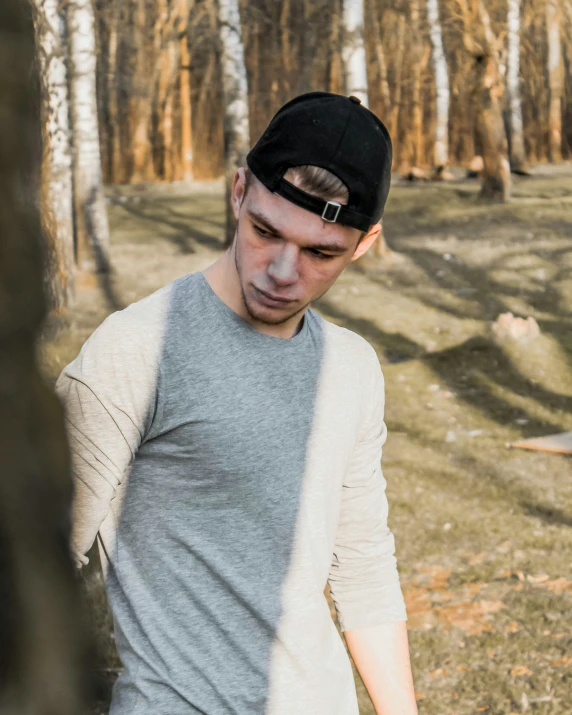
230 475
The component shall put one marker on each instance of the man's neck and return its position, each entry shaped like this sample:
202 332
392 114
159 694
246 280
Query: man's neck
223 278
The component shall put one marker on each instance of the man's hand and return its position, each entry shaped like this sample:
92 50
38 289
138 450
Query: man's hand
381 655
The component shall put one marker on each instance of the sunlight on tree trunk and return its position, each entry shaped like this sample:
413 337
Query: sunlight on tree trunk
57 193
235 91
555 76
353 50
441 85
92 230
42 651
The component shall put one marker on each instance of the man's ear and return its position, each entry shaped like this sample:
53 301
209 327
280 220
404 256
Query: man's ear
367 241
238 191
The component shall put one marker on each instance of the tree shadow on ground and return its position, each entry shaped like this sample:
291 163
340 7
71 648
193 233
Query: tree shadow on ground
472 370
183 233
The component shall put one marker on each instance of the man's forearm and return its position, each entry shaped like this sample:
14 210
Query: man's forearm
381 655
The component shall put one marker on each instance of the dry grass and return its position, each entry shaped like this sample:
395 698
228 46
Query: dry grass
484 534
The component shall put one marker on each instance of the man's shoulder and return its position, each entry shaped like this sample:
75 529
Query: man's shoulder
147 314
348 343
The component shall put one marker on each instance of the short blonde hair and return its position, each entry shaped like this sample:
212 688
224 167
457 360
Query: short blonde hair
318 182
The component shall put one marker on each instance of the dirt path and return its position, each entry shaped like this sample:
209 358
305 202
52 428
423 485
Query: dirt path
484 533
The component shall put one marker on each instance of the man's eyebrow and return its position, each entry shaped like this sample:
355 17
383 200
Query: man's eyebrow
330 247
265 222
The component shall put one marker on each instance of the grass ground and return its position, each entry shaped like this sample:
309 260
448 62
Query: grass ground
483 533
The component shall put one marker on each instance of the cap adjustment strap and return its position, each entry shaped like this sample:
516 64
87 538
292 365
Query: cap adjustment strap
330 211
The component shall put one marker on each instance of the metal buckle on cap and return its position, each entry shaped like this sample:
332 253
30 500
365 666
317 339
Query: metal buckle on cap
326 212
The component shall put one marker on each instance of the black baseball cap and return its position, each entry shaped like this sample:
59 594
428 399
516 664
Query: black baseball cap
336 133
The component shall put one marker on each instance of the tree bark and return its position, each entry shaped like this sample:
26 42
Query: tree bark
441 85
186 115
555 76
483 45
42 652
92 229
398 91
353 50
235 92
517 151
57 191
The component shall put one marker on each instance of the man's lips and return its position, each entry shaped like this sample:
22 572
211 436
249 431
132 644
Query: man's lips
272 299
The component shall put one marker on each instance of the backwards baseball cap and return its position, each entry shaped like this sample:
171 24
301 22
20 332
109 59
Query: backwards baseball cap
336 133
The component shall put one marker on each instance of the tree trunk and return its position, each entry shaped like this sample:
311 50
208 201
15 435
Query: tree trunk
398 91
186 116
491 132
235 93
42 653
335 65
353 50
415 133
555 76
382 68
92 230
517 152
441 85
57 192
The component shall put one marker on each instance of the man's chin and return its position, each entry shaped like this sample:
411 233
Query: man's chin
271 315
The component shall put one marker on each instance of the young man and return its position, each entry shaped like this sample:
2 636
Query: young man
227 445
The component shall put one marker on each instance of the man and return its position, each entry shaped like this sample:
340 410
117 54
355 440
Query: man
227 445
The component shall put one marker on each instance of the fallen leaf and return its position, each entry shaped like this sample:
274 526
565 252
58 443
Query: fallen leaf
564 661
513 627
520 670
420 696
541 578
439 673
462 668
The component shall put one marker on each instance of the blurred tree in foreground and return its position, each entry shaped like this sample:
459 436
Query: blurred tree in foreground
42 655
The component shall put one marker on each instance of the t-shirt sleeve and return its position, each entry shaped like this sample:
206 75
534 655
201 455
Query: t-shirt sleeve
364 581
108 393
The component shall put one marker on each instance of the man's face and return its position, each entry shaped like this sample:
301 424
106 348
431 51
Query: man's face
286 257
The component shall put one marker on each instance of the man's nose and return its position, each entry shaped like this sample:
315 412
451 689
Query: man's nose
284 268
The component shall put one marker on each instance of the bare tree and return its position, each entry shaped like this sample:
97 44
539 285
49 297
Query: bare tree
57 199
441 85
517 152
42 656
486 48
353 50
235 92
555 76
186 117
92 230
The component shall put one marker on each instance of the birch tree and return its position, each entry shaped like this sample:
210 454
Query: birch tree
517 152
42 655
353 50
555 76
235 93
57 191
92 230
441 85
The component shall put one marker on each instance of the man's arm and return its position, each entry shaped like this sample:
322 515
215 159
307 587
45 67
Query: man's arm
381 655
364 582
108 393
